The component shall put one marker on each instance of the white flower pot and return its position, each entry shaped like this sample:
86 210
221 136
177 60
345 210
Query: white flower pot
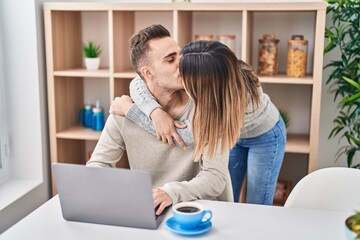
92 63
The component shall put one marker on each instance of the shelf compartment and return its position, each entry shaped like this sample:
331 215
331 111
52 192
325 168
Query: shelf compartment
283 79
73 28
79 132
218 23
71 93
71 151
67 45
283 25
297 143
69 99
81 72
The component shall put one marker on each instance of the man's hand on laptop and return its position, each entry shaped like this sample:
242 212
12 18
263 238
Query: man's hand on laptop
161 200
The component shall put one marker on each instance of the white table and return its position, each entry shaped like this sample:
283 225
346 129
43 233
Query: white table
230 221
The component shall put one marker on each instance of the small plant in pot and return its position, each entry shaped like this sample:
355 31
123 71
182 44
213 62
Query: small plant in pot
92 52
353 226
286 117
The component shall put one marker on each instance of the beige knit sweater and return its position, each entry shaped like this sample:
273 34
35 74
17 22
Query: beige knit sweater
172 169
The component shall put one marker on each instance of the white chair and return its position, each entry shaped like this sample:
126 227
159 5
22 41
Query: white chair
334 188
227 195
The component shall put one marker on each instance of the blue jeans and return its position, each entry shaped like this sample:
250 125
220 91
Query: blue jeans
259 158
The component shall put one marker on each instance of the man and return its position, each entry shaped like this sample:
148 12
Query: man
176 176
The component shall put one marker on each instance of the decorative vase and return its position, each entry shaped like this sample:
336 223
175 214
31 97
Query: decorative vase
92 63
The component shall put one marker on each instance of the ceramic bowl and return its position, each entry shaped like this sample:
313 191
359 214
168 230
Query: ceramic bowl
350 235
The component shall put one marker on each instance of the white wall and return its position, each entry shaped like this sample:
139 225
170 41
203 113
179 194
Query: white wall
23 65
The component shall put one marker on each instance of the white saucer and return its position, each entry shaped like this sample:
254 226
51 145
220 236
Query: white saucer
176 228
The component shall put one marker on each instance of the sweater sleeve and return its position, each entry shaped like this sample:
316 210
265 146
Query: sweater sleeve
111 146
139 118
142 96
209 183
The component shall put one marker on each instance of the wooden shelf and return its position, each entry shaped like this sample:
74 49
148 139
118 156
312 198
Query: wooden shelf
79 133
297 143
231 6
129 74
283 79
66 29
81 72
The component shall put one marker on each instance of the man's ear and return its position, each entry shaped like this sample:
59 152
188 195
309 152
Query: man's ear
147 73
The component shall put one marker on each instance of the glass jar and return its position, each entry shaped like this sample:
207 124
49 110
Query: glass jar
228 40
296 56
208 37
268 55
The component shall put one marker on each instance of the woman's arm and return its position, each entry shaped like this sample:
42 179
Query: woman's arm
125 107
142 97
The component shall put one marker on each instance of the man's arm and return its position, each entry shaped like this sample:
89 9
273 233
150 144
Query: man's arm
110 147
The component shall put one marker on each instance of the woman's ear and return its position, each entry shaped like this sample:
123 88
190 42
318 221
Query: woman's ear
147 73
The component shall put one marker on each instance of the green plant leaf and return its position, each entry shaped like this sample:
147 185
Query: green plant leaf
352 82
329 47
91 50
356 141
350 156
286 117
351 98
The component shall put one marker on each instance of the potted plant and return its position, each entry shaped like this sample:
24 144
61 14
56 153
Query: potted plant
92 52
353 226
344 36
286 117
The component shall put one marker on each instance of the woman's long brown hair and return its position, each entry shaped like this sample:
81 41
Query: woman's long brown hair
220 86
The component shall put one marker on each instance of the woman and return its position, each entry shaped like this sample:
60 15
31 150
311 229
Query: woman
228 100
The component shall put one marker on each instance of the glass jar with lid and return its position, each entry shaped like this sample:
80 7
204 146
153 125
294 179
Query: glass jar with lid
228 40
296 56
268 55
207 37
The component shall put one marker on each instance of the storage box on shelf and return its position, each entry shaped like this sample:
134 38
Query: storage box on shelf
67 25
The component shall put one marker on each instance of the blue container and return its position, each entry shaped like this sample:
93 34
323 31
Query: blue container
88 113
85 116
98 118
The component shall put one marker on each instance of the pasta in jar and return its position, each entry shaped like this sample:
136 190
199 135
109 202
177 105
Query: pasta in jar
296 56
268 55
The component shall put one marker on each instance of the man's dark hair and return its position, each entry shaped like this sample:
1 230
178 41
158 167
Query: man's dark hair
139 46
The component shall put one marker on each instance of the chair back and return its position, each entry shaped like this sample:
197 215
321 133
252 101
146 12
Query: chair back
335 188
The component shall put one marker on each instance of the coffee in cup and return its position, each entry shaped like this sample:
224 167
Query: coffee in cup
190 215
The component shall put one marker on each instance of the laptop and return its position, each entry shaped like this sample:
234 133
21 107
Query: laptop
110 196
